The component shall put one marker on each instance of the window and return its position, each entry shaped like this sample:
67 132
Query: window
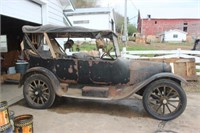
175 36
81 22
185 29
185 26
155 22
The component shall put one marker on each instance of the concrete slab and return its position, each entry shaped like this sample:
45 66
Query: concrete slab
11 93
125 116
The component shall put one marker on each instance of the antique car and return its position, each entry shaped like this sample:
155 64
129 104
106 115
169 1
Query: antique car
53 73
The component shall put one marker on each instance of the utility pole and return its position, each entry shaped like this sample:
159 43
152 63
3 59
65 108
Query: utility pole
125 38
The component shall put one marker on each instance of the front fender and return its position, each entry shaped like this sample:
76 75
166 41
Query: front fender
54 80
155 77
167 75
139 87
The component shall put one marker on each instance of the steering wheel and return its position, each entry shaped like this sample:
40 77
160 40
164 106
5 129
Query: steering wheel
107 53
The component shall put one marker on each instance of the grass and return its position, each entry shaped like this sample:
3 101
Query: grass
139 47
161 46
132 46
86 46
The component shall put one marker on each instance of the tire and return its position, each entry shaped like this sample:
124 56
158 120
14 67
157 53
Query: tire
164 99
38 92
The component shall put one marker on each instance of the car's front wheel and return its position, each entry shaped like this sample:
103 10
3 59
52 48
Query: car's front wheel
38 91
164 99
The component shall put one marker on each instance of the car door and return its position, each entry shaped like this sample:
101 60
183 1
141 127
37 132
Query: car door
110 72
103 71
66 70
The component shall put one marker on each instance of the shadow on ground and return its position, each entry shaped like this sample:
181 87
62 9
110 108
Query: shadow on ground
124 108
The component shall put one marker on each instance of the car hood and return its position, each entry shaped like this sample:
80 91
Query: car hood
141 70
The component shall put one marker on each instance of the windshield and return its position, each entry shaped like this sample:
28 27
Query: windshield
104 47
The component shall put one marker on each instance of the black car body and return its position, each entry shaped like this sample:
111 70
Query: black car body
107 77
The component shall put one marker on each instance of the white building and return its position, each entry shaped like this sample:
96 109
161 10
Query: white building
35 11
173 36
16 13
93 18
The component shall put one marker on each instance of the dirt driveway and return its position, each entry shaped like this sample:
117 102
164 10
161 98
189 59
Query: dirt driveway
75 116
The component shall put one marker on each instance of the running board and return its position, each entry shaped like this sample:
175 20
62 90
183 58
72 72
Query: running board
113 93
87 98
77 93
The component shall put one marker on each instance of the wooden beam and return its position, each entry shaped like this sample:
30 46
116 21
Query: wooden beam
49 44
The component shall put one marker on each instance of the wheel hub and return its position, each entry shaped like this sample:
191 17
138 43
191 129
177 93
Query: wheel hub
164 101
36 93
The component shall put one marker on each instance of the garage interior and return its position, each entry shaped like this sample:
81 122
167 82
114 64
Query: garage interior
12 28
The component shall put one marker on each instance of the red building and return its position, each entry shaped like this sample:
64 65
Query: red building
155 26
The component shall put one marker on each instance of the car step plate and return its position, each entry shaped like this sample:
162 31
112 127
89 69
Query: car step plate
95 91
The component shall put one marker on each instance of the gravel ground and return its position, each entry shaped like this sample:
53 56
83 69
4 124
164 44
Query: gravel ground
75 116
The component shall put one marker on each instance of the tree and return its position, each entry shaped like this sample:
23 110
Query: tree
85 3
119 21
131 29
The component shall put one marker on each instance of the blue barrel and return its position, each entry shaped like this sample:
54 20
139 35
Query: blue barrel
21 67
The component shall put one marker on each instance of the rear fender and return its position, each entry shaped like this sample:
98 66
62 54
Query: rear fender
41 70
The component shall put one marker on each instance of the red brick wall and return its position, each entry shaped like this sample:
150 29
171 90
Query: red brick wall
157 26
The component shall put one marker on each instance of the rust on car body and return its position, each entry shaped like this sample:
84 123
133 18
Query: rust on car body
139 73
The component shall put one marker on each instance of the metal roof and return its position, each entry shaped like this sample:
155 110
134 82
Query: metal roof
79 11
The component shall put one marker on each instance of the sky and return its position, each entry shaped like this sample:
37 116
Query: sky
155 8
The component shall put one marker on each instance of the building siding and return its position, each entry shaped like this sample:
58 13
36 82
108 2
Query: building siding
156 26
55 13
93 18
96 21
36 11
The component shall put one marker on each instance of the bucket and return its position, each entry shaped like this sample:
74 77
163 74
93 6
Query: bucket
23 124
4 116
11 70
21 67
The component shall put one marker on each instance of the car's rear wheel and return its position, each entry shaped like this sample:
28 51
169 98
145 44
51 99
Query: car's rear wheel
38 91
164 99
